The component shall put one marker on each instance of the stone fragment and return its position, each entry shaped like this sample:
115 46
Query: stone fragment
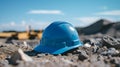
19 55
110 51
87 45
82 55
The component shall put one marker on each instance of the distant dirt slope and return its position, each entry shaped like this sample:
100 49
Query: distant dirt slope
104 27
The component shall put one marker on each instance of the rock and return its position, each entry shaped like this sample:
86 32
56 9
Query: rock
40 55
99 58
110 51
88 51
111 42
92 42
95 48
96 42
100 50
19 55
82 55
87 45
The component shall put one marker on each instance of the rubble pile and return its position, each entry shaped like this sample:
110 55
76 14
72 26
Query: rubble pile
104 52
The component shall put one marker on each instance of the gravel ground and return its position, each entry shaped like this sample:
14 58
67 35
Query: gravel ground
94 53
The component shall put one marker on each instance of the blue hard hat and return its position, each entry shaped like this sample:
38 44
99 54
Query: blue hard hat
58 38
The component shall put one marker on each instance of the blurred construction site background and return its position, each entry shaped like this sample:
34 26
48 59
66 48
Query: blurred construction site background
29 34
98 29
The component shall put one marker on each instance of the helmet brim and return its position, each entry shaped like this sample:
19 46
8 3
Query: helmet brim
46 49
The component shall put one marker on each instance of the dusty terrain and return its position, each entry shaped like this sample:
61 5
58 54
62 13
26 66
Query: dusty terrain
102 52
99 29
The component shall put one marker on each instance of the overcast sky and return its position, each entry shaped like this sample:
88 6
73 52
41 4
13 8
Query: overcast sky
17 14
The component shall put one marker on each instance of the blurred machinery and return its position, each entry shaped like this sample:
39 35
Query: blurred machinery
28 34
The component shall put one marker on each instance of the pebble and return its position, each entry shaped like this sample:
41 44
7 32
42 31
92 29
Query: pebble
19 55
87 45
40 55
110 51
82 55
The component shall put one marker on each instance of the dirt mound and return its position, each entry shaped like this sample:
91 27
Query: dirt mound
101 28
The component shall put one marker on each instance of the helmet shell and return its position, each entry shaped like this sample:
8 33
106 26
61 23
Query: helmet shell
58 38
